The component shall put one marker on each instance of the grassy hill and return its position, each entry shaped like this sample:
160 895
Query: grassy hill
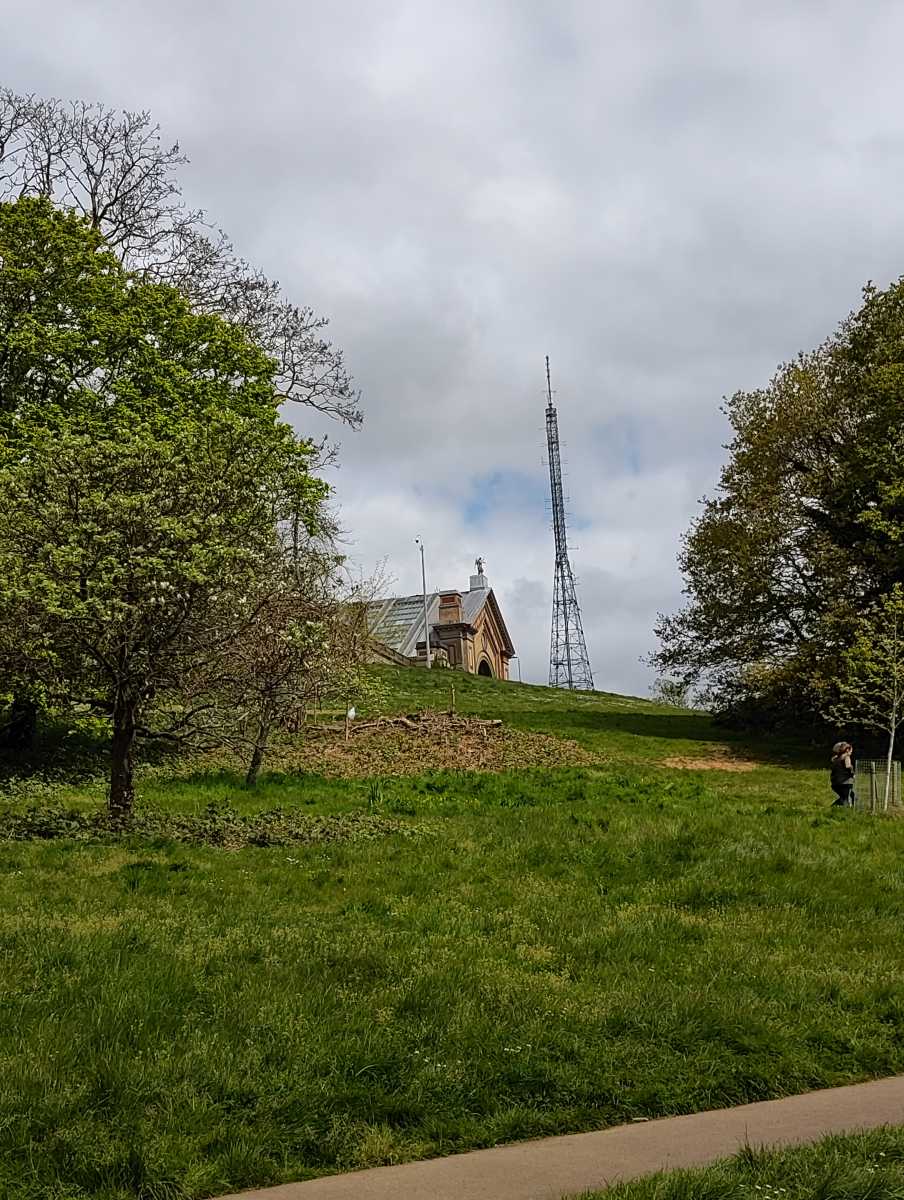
411 965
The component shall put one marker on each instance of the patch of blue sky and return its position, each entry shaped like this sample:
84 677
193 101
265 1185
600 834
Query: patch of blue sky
503 491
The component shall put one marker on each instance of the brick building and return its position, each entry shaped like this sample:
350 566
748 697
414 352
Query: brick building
466 629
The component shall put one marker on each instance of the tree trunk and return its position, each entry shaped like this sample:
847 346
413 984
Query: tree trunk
257 754
889 764
122 750
22 726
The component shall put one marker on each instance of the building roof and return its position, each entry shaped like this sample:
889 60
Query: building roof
399 621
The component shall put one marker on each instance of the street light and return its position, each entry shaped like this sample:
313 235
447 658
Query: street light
418 542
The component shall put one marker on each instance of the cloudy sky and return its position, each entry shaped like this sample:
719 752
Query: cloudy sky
667 198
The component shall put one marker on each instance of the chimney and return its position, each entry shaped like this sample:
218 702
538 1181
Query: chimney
449 608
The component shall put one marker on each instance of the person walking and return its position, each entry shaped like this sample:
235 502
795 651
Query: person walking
842 774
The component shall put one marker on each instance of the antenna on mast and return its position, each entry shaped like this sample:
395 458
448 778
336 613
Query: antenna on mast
569 664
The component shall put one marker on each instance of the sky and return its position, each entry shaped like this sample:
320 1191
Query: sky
668 199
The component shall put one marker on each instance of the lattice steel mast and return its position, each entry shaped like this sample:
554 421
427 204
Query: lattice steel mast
569 666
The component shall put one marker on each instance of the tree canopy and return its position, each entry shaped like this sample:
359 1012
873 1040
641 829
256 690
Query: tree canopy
145 473
806 530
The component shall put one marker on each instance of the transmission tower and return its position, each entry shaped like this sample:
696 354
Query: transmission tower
569 666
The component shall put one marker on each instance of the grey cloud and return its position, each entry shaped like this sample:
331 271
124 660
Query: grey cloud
669 199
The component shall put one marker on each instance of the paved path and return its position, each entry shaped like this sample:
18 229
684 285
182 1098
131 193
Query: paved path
566 1166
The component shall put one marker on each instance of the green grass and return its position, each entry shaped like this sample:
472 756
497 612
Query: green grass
866 1166
558 951
631 728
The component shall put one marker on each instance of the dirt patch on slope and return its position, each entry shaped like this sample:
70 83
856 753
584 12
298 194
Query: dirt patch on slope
720 760
426 741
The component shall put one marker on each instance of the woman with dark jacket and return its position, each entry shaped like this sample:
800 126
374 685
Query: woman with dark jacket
843 774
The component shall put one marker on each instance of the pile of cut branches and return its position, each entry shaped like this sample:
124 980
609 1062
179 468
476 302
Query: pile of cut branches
424 741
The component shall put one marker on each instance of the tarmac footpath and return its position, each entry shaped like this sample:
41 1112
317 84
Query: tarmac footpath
558 1167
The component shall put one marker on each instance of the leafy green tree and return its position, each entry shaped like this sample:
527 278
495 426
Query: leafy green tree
869 690
57 292
144 469
861 493
112 169
806 528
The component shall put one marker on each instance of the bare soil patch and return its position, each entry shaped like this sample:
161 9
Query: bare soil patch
719 760
426 741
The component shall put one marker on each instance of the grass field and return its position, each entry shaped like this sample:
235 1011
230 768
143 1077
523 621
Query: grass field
867 1166
536 952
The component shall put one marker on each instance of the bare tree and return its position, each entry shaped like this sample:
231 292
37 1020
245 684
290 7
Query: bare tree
673 692
304 638
113 167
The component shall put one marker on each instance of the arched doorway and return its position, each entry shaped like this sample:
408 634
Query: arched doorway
485 668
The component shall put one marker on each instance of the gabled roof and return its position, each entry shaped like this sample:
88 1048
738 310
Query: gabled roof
399 621
491 602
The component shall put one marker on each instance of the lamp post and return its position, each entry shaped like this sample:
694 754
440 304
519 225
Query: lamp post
419 543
